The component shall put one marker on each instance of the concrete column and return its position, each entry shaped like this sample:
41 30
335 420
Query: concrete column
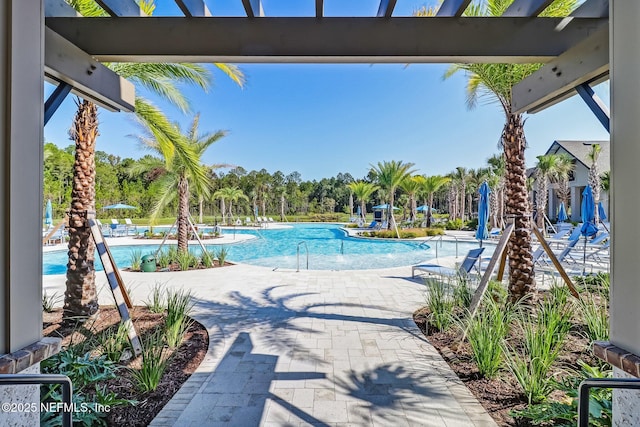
625 198
21 134
575 204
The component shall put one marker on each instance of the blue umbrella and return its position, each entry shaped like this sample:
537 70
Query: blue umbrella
601 213
588 210
48 214
119 206
385 206
562 213
483 212
425 208
588 214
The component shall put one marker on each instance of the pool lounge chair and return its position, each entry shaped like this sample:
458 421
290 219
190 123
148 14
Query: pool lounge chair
469 261
130 226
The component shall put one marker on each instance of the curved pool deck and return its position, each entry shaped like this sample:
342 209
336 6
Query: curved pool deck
319 348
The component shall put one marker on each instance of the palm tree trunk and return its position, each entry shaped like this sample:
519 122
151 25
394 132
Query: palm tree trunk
541 200
521 275
80 297
463 196
200 213
282 200
223 211
183 214
429 214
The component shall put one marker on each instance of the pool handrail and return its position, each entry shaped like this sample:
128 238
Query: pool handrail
298 254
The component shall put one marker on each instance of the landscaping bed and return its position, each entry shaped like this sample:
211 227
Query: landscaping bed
510 364
98 347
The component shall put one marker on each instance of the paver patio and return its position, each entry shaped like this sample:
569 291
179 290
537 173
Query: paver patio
324 348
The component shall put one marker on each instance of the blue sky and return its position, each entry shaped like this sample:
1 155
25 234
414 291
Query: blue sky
320 120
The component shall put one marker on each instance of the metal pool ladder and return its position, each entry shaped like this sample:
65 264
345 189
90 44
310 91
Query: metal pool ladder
298 254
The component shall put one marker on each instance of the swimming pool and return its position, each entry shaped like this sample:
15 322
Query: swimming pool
328 248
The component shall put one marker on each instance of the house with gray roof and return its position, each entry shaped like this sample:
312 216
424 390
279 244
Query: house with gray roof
579 178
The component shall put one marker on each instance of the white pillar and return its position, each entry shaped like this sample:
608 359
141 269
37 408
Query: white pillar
21 134
575 204
625 198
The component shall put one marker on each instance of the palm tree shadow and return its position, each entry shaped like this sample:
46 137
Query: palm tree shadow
279 322
389 387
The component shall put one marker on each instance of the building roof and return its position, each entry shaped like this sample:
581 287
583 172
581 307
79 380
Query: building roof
580 150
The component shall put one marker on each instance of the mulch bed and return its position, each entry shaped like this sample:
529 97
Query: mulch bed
502 395
183 363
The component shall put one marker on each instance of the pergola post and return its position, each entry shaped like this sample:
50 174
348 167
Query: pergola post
625 198
21 134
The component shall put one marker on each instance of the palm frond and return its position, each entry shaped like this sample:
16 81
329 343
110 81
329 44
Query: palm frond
167 194
233 72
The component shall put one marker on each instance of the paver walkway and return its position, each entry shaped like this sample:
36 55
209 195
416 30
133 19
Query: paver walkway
321 348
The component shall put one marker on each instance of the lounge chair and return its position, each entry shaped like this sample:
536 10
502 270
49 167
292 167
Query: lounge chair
467 264
495 233
130 226
117 228
247 221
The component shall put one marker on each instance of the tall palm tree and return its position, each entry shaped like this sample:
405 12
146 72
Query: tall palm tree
232 194
546 172
461 176
594 178
412 185
80 299
362 191
564 168
495 81
497 182
430 186
182 170
390 175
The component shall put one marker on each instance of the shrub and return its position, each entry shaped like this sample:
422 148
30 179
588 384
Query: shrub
179 307
49 302
596 317
113 342
485 333
136 259
221 255
497 291
440 304
184 260
163 259
455 224
462 293
565 412
154 363
156 304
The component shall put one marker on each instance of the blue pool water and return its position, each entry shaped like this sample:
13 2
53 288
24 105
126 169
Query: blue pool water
328 246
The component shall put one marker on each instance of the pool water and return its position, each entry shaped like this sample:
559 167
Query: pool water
328 248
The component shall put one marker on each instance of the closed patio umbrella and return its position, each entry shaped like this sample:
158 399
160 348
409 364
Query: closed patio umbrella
601 213
482 233
48 214
562 213
589 228
120 206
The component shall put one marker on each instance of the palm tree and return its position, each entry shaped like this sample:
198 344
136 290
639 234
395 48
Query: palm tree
390 175
594 178
412 185
497 183
362 191
80 298
182 170
220 194
495 81
232 194
546 171
461 177
430 186
564 168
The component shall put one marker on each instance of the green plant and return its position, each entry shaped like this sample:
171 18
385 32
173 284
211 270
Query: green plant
440 304
85 371
497 291
156 303
596 317
179 305
163 259
540 349
554 319
565 412
49 302
113 342
221 255
136 259
595 282
207 259
485 333
455 224
174 332
462 293
184 260
154 363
